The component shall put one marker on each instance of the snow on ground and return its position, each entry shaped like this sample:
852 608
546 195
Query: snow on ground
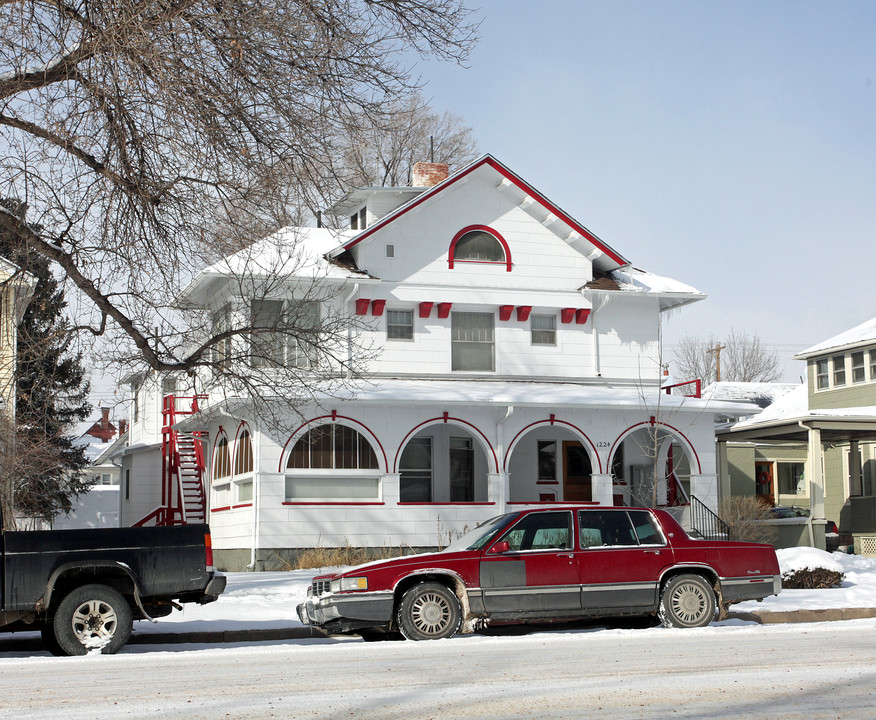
269 599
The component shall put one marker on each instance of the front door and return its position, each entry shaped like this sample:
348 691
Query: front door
576 473
763 486
538 576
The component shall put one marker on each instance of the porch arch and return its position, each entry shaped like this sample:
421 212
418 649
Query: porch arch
585 440
333 418
446 419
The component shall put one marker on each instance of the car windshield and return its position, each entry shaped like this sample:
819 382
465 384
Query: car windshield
481 535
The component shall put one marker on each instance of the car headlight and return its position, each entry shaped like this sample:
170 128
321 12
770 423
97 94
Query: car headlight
347 584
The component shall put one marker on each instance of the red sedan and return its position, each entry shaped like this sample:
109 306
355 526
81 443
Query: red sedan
546 564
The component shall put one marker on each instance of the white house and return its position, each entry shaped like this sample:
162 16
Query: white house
516 361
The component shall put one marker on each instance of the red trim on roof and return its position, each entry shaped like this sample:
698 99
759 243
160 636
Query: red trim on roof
514 180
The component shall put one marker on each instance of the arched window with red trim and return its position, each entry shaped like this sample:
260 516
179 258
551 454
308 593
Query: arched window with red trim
479 244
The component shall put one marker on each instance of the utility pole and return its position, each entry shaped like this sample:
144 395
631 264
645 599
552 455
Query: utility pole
716 351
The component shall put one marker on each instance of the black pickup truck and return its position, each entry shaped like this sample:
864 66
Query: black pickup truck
84 588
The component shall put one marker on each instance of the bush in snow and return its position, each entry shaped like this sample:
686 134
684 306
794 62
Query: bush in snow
745 517
812 579
806 568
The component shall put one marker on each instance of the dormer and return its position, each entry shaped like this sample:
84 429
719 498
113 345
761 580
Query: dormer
365 206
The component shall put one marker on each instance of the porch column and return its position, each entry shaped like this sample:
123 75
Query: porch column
815 471
498 487
723 471
602 489
705 488
389 488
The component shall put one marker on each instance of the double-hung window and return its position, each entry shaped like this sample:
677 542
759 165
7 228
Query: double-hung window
839 370
473 342
399 324
543 329
822 375
284 333
859 374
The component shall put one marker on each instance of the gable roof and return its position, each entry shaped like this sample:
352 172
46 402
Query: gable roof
858 335
606 259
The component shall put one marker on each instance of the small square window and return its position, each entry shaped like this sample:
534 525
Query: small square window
839 370
399 324
543 329
858 372
390 251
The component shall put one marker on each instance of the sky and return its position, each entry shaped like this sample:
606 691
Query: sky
728 145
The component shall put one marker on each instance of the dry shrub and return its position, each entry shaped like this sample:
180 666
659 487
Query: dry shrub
745 516
320 557
812 579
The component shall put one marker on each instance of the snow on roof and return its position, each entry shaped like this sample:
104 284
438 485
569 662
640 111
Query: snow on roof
794 405
630 278
94 447
863 333
759 393
290 250
551 394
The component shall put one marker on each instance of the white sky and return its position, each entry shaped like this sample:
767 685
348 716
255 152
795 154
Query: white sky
728 145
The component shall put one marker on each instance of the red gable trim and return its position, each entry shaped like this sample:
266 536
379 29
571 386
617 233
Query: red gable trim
513 179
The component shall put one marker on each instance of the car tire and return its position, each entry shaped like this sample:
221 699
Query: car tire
50 642
429 611
687 601
92 617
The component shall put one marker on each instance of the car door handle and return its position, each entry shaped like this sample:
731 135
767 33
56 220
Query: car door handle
568 555
652 552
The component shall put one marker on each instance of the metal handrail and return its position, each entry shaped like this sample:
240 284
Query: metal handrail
706 523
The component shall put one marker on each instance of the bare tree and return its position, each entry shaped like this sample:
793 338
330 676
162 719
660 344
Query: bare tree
743 358
128 128
383 152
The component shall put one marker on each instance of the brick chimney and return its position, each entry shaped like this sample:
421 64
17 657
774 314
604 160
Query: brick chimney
429 174
103 429
123 427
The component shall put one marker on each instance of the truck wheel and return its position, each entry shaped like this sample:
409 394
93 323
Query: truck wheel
93 617
429 611
687 601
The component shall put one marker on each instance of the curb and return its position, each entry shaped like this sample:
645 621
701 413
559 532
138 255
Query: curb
768 617
226 636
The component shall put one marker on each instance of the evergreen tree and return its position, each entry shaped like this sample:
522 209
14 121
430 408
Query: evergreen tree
42 465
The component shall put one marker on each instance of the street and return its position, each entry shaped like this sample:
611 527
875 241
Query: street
824 670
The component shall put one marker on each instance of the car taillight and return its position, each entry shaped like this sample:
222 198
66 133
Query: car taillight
208 551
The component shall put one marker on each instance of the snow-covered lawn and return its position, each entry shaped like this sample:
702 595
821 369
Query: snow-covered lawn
268 600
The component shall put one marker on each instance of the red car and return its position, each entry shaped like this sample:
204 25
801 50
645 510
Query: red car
546 564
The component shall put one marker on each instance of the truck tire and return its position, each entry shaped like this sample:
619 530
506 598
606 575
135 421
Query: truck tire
92 618
687 601
429 611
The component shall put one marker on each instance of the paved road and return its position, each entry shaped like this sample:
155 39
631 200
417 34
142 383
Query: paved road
824 670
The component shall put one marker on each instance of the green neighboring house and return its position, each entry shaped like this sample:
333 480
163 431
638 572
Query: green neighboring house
815 446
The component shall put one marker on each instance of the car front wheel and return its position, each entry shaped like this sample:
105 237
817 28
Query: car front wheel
92 617
687 601
429 611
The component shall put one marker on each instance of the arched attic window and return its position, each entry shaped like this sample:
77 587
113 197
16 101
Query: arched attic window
332 462
479 244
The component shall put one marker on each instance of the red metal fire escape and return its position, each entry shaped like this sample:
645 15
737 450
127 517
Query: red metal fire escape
183 498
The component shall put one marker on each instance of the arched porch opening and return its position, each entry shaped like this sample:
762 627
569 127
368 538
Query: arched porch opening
551 461
444 462
651 466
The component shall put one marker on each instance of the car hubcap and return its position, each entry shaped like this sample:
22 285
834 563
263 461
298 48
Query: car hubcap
689 603
94 619
431 613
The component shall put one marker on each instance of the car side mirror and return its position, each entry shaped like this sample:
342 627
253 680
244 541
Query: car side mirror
500 547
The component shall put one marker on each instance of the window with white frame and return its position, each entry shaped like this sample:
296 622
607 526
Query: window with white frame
332 462
839 370
791 478
243 467
415 471
284 333
221 323
221 473
859 373
543 329
873 365
472 342
399 324
822 374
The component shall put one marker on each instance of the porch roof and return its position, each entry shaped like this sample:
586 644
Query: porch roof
565 395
